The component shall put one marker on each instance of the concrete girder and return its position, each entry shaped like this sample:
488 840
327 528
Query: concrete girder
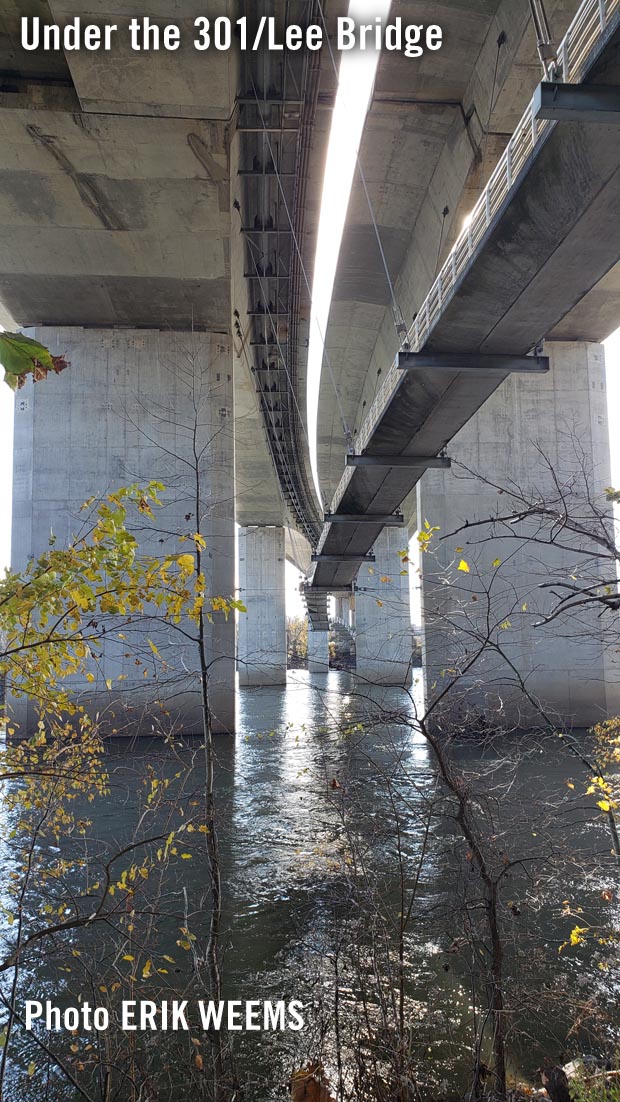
560 219
472 104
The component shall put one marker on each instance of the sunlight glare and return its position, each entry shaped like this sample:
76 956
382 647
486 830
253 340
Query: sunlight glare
356 79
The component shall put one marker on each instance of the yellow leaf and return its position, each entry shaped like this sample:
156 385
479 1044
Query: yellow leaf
31 1069
186 562
128 956
604 805
464 567
497 562
575 935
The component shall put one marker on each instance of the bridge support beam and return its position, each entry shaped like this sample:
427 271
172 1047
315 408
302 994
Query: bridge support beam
123 413
261 655
529 432
589 103
318 651
383 639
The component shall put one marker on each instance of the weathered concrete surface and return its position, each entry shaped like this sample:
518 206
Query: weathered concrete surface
112 220
118 176
434 134
553 240
566 666
383 638
318 651
168 83
261 654
125 412
116 209
46 66
298 550
118 180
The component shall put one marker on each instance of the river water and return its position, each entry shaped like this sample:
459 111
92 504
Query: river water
327 799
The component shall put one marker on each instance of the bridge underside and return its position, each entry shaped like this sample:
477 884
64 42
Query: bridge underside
127 206
554 239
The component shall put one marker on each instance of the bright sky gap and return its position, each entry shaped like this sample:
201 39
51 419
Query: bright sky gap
356 79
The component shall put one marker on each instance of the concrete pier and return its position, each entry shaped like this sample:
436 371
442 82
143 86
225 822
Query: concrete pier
318 651
382 613
342 608
261 655
530 432
127 411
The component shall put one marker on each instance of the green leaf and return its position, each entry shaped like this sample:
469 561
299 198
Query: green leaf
18 353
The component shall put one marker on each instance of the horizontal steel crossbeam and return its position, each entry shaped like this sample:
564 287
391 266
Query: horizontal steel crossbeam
386 520
343 558
471 361
427 462
577 102
328 591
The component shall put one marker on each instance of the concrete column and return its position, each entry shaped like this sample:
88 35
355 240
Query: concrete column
383 640
342 610
126 411
318 651
566 667
261 655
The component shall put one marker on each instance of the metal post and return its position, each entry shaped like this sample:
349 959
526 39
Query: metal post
564 59
509 165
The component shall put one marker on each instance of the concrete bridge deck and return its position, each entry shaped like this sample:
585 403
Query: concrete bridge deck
152 208
542 236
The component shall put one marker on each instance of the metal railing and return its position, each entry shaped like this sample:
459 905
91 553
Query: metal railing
591 23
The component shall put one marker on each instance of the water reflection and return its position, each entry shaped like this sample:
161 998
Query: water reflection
323 798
